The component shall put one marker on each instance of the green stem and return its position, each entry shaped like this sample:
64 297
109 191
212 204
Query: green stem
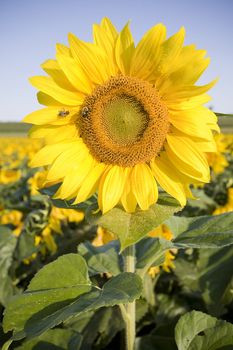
130 322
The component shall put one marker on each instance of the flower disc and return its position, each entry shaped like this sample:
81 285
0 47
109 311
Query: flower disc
124 122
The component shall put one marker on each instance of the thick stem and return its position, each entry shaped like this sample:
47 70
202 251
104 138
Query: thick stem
130 322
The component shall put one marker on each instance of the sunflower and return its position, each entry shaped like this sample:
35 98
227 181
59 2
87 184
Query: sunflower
103 237
162 231
229 205
122 119
217 160
12 217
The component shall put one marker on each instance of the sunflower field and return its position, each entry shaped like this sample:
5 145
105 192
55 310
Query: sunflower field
116 214
34 232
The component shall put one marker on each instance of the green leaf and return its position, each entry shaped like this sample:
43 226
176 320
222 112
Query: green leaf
223 114
216 334
61 203
80 322
178 224
142 309
7 246
189 325
28 319
199 232
209 276
52 287
104 259
25 246
102 328
53 339
149 289
75 342
187 273
206 232
218 338
122 289
131 228
155 342
7 344
50 190
67 272
169 308
150 251
93 214
162 338
215 275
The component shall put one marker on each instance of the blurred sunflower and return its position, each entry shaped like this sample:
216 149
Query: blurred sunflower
37 181
14 218
162 231
217 160
103 237
8 175
121 118
228 207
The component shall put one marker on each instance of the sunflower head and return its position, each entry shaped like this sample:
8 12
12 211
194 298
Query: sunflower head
123 122
122 119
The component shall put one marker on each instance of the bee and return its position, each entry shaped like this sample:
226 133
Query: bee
85 111
63 113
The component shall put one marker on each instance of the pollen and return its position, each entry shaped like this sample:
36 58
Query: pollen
124 122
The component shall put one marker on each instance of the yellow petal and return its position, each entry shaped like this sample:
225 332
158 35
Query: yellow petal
48 153
184 93
49 115
111 187
186 70
184 154
48 86
74 179
63 50
47 100
192 122
128 199
110 29
167 177
189 193
144 186
207 146
90 183
54 133
201 143
92 59
129 202
124 50
211 120
170 50
105 39
52 68
187 54
214 126
75 74
146 53
188 103
66 161
185 75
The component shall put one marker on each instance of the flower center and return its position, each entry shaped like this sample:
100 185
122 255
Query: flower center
124 121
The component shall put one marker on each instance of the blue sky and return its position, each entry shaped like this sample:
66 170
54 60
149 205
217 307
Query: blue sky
29 30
